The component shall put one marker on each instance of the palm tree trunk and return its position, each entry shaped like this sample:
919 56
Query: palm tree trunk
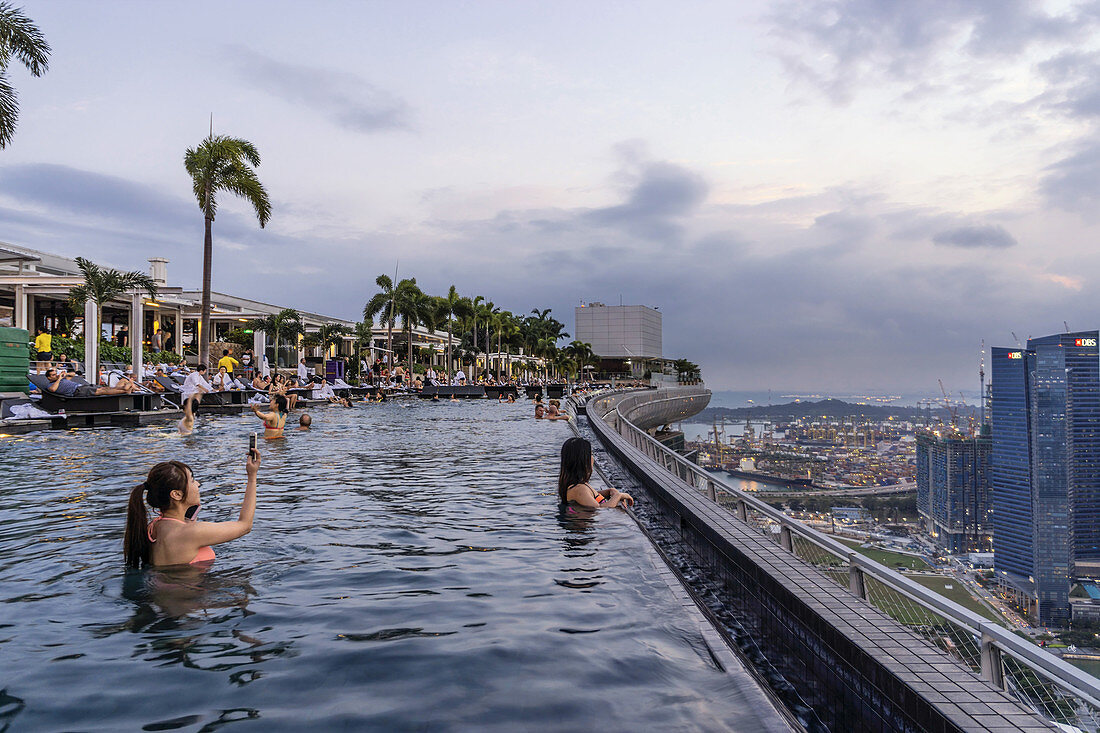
389 344
450 362
207 264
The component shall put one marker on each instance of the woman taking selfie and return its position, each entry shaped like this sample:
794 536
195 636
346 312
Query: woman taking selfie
173 537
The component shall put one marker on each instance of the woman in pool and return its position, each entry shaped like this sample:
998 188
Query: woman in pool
274 421
573 477
173 537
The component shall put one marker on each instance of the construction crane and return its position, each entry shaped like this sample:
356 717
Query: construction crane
1016 339
969 414
950 408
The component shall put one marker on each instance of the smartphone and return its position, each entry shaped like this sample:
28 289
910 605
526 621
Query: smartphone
251 445
191 510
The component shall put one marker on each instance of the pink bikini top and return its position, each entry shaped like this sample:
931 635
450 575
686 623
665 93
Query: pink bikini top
205 554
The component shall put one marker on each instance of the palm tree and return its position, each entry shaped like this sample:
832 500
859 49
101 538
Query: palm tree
222 163
451 305
285 324
409 303
364 333
19 37
330 334
487 312
512 331
102 285
382 303
580 352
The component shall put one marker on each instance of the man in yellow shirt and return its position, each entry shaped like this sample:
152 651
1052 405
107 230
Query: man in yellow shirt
43 344
227 361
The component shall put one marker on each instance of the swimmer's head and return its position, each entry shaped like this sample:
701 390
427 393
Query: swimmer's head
305 421
539 410
279 401
169 486
576 465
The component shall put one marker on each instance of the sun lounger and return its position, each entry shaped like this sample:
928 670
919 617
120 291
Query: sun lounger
52 402
472 391
494 392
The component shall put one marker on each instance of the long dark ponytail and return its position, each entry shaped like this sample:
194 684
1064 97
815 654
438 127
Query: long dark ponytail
163 479
576 465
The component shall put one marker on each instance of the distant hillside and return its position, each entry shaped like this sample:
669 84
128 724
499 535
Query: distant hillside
824 408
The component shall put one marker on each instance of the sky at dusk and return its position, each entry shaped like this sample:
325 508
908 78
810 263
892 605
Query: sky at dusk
827 195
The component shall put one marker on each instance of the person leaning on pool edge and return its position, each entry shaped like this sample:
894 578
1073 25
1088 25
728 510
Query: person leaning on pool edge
573 477
173 538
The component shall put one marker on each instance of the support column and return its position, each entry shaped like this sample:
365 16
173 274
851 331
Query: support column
32 315
137 335
259 351
21 308
712 492
856 583
992 670
785 539
91 343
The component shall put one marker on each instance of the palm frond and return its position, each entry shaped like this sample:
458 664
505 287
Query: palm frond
21 38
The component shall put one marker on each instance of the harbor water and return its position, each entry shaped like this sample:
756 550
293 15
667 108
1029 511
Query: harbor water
408 570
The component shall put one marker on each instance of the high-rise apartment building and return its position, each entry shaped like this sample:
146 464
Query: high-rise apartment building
953 480
1046 467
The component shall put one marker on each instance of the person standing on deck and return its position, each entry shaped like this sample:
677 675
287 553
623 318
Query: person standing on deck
227 361
43 344
303 372
156 341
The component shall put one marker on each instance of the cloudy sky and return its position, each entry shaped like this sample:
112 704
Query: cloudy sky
831 195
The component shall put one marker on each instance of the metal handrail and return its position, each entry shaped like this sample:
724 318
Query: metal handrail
994 639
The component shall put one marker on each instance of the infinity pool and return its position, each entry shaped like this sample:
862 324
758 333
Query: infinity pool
408 570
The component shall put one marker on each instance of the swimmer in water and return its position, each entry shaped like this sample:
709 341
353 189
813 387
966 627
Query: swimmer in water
173 537
187 422
573 477
305 421
275 421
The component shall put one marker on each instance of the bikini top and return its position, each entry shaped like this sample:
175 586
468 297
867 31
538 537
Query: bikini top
600 498
205 554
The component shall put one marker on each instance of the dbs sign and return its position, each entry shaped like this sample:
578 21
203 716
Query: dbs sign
1084 342
1015 355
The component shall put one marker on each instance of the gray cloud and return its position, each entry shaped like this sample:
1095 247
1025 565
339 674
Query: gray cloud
972 237
1073 183
661 195
837 45
346 99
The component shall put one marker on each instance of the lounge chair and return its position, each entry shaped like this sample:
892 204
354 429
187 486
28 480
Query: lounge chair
52 402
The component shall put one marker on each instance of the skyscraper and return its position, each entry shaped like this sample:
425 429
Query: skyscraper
1046 466
1010 413
953 489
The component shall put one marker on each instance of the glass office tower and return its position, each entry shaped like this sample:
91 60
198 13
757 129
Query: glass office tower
1046 465
1010 413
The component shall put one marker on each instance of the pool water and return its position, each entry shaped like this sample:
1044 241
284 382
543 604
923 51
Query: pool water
408 570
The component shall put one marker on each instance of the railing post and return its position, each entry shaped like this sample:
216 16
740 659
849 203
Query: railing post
743 511
856 582
992 669
712 493
786 540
